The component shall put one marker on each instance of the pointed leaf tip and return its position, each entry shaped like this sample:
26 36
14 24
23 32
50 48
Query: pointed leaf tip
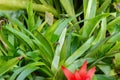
69 75
83 68
91 72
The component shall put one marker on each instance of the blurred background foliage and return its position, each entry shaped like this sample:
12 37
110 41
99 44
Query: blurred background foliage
37 37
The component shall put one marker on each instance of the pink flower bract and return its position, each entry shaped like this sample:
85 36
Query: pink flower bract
82 74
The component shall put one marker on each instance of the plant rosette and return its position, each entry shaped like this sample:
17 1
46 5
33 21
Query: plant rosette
82 74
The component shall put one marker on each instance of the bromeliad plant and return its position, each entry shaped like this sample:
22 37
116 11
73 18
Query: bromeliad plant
45 46
82 74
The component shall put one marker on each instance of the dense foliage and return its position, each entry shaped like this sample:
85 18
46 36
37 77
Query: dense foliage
37 37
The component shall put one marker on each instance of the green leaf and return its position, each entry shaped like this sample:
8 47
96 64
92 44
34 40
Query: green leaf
90 26
99 49
91 9
105 68
17 4
50 2
7 45
39 41
76 64
85 4
39 78
43 2
49 33
56 59
79 51
68 7
61 26
114 49
9 64
115 37
44 46
117 60
30 21
68 45
19 70
117 1
102 32
113 26
104 6
22 36
103 77
26 72
94 77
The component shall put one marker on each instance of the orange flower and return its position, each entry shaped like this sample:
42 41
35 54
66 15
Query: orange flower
82 74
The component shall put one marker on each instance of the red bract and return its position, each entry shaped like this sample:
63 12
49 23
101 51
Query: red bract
82 74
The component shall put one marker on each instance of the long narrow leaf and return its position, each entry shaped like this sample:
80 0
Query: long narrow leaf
90 26
113 26
68 7
8 65
60 28
79 51
17 4
18 71
56 59
22 36
26 72
103 7
91 9
102 32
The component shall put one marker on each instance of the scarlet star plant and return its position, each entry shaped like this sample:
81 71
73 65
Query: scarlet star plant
82 74
45 47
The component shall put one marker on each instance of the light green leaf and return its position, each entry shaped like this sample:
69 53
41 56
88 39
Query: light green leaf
97 51
104 6
69 8
115 37
56 59
7 45
79 51
117 60
113 26
22 36
61 26
114 49
90 26
17 4
26 72
85 4
44 46
105 77
76 64
18 71
102 32
39 40
30 21
91 9
105 68
4 67
49 33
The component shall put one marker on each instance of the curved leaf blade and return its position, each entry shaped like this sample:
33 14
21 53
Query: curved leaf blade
79 51
9 64
56 59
